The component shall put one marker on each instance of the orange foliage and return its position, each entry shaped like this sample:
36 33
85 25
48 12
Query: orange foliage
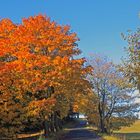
35 55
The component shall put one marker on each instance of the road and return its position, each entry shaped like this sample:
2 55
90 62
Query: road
80 132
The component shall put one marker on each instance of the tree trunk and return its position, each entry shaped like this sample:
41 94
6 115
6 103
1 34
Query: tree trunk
102 126
52 127
78 115
45 129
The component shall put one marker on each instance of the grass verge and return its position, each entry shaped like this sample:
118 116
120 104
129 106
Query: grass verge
130 133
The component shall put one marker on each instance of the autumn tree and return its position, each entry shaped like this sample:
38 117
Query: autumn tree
38 73
115 101
131 64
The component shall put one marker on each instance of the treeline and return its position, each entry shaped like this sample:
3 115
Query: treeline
42 81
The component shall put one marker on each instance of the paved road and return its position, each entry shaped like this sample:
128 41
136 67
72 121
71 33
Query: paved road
79 132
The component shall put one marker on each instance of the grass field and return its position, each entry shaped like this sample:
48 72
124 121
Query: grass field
130 133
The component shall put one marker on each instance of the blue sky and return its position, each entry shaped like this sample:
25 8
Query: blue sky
98 23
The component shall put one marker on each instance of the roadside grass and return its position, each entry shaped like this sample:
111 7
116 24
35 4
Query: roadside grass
130 133
109 137
104 136
135 128
125 133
